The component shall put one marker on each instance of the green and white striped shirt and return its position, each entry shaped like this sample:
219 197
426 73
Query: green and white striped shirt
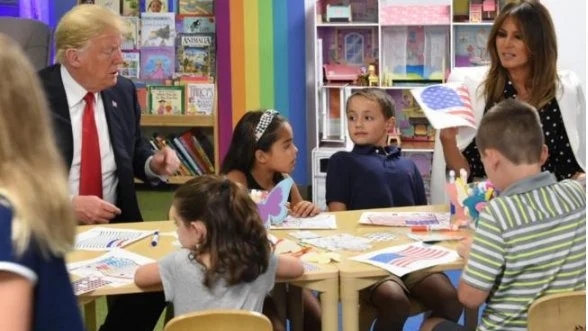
530 241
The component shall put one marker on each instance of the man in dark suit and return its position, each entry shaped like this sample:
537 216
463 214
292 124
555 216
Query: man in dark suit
96 117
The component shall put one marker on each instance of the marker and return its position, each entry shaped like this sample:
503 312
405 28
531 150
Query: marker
428 228
155 239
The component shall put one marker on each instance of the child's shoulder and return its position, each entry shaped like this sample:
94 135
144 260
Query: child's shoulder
237 176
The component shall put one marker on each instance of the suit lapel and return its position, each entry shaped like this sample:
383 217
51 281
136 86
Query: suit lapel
114 120
60 113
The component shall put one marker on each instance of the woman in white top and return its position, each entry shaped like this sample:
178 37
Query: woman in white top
523 51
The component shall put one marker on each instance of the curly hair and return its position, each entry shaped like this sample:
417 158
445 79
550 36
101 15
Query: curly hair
236 239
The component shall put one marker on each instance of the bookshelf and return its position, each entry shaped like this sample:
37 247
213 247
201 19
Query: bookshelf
411 44
170 54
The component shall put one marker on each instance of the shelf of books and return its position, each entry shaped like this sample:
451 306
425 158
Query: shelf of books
169 51
178 120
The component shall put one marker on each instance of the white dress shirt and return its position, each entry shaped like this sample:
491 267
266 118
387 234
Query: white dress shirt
75 99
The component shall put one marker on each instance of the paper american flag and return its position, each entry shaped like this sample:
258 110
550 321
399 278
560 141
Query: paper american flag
410 255
404 259
446 105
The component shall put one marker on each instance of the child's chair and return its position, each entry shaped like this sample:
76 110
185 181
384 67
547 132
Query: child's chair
562 311
220 320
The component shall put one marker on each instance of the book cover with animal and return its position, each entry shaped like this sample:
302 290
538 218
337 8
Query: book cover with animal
131 32
199 99
157 64
196 7
195 54
158 29
130 8
198 24
131 64
113 5
166 100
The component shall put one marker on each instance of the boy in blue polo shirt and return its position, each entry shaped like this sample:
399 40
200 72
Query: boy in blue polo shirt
374 175
530 240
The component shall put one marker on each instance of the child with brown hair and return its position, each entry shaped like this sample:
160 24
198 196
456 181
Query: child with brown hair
531 239
226 261
374 175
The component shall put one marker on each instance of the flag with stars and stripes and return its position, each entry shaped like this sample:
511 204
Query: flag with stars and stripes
446 105
404 259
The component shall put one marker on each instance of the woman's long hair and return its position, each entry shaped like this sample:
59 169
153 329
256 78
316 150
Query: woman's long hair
538 34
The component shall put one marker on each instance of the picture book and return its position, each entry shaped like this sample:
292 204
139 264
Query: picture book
142 98
156 6
196 7
470 46
131 64
195 54
406 219
131 32
197 24
157 64
130 8
404 259
158 29
166 100
103 238
199 99
117 267
113 5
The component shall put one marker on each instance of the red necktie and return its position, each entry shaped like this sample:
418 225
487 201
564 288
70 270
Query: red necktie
91 164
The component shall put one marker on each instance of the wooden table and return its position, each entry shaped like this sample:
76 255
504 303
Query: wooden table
355 276
325 280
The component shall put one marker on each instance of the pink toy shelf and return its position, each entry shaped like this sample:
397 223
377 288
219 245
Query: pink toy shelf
415 15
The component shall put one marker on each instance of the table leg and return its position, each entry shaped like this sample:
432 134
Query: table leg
350 308
329 307
90 315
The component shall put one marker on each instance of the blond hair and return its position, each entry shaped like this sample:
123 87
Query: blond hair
538 34
32 173
82 23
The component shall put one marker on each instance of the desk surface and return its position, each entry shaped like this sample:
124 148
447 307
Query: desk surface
143 247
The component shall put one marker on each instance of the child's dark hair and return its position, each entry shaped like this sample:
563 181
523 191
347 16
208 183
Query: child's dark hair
514 129
235 236
241 153
378 95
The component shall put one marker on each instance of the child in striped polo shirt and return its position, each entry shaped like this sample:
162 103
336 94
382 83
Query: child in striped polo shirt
530 241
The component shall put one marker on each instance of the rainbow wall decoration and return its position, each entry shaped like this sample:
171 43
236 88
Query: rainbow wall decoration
262 64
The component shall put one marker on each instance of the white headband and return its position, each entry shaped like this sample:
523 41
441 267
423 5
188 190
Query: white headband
264 122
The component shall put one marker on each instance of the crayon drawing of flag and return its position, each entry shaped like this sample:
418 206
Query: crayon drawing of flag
446 105
409 255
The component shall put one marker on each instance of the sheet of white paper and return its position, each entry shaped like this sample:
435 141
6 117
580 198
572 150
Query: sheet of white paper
103 239
343 241
320 221
440 220
404 259
117 266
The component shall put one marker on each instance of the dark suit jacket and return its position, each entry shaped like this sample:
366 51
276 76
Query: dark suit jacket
123 116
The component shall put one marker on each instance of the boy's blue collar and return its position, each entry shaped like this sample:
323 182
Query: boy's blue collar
388 151
530 183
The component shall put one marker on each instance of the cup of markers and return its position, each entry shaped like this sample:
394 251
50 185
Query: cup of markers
468 199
